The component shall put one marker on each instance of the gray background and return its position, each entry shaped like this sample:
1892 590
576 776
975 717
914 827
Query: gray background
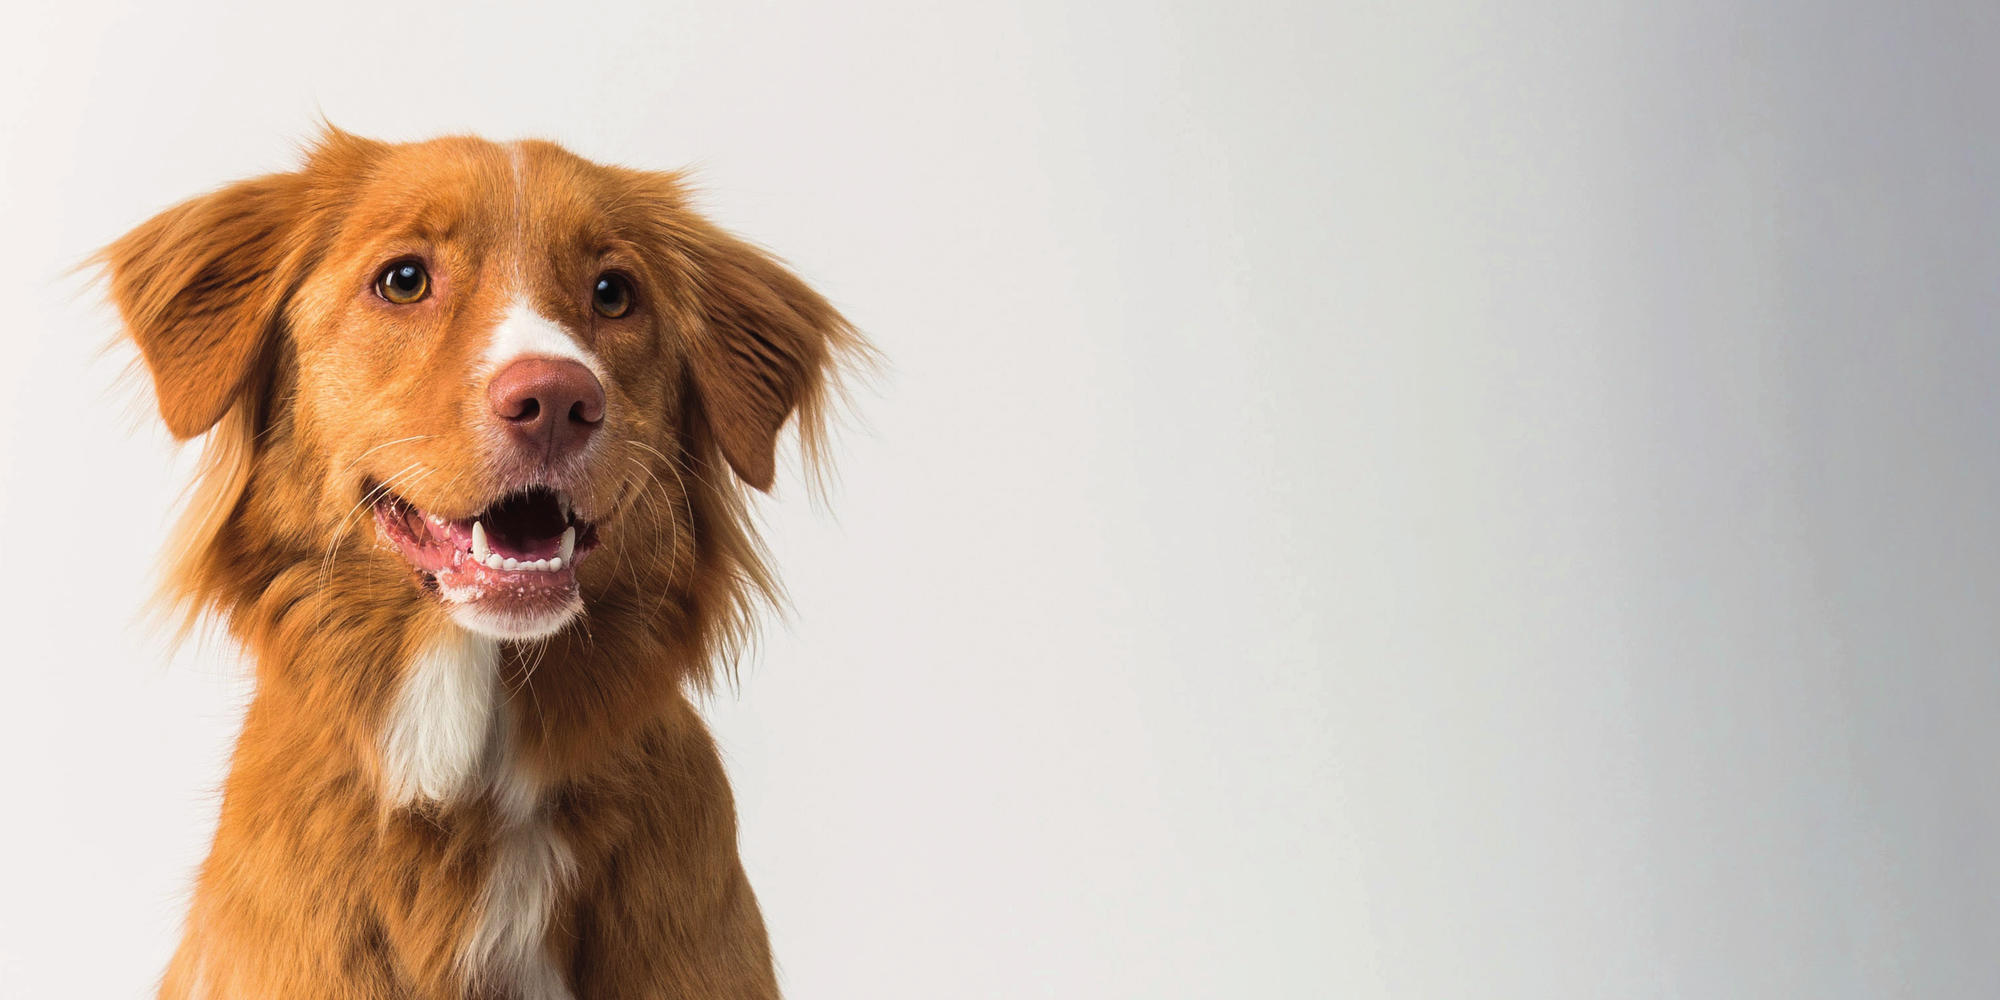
1383 499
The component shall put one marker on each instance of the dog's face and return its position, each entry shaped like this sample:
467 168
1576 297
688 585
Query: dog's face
498 375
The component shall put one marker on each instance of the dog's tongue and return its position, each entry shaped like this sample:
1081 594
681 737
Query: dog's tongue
484 538
524 526
426 541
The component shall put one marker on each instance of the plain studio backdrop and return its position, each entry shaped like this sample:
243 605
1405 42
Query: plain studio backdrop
1418 499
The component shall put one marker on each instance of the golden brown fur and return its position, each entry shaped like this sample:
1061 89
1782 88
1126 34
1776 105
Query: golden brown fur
248 307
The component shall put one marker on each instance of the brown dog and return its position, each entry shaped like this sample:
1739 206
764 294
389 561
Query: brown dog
474 411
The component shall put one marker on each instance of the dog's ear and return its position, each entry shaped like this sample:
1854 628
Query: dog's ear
201 287
764 352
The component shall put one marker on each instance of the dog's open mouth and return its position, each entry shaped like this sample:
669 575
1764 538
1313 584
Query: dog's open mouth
518 556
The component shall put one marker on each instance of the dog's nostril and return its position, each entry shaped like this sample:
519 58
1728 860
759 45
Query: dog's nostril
551 404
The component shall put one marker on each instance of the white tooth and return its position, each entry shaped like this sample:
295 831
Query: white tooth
541 565
510 563
479 550
568 544
493 561
555 562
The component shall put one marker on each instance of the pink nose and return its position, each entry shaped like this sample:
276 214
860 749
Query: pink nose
549 406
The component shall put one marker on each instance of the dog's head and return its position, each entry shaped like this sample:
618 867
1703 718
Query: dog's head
497 377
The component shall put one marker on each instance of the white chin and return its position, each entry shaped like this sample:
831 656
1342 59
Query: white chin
511 624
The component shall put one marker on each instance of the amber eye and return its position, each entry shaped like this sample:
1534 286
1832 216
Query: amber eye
403 282
612 297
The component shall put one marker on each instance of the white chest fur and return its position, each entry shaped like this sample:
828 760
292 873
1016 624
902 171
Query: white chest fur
448 736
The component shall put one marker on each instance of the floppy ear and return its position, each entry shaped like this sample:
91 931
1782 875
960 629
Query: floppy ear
764 354
200 287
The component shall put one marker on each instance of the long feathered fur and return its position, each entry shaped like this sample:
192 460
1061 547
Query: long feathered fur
309 409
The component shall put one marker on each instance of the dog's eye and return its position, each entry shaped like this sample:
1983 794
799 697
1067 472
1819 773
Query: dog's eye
403 282
612 297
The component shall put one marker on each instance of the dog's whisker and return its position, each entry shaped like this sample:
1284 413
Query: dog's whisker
340 530
624 556
403 478
687 507
677 466
654 510
385 444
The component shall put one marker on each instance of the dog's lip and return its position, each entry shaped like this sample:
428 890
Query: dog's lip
529 539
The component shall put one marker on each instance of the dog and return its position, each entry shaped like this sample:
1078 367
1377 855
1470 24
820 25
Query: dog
482 425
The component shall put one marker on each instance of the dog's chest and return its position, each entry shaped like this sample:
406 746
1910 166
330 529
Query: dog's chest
448 738
530 868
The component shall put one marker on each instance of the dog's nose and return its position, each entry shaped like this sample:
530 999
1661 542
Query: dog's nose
549 405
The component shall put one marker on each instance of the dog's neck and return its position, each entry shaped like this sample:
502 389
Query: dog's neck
447 731
449 738
392 688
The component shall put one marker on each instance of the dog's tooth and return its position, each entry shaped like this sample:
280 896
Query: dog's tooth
510 563
493 561
555 562
541 565
568 545
479 550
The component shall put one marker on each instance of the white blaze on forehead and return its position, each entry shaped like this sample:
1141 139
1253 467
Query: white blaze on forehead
525 333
